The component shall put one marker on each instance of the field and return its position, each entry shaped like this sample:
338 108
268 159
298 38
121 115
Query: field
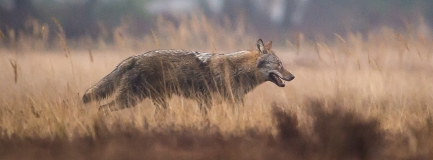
355 97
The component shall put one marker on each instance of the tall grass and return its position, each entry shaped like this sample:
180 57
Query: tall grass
383 75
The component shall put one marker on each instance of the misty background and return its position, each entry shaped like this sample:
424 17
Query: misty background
267 18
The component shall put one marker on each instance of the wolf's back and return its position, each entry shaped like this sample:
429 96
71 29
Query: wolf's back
108 84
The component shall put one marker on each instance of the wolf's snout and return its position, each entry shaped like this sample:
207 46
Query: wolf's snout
288 77
291 78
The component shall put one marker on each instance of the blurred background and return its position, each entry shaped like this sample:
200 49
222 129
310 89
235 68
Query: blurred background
272 19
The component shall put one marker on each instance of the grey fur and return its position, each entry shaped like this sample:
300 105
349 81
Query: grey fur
160 74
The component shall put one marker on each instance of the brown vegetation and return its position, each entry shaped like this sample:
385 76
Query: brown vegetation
357 97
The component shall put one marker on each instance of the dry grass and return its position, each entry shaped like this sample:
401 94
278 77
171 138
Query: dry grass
381 81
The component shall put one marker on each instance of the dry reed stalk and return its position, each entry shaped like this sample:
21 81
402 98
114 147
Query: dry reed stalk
61 35
90 55
68 87
298 43
377 65
121 36
33 111
44 33
340 38
214 50
241 25
2 35
15 70
11 35
332 54
405 44
419 54
155 39
103 30
368 58
316 47
359 64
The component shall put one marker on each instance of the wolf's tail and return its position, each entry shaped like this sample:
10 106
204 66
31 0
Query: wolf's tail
109 83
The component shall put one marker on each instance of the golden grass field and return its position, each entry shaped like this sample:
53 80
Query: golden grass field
370 93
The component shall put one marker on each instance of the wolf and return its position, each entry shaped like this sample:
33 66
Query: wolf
200 76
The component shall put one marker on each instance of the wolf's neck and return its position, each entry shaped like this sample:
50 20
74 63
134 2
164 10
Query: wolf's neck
242 60
244 66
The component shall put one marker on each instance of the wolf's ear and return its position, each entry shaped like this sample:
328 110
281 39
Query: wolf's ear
261 46
268 45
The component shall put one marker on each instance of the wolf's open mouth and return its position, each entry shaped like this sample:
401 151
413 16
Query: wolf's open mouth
276 79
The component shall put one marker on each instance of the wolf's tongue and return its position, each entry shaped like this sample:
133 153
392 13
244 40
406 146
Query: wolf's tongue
278 80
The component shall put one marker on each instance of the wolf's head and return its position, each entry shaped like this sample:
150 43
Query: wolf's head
270 65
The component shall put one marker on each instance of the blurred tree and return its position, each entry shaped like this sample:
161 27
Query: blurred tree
15 17
95 17
79 19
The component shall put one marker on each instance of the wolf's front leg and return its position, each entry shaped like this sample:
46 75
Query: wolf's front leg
108 107
122 101
205 104
160 102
